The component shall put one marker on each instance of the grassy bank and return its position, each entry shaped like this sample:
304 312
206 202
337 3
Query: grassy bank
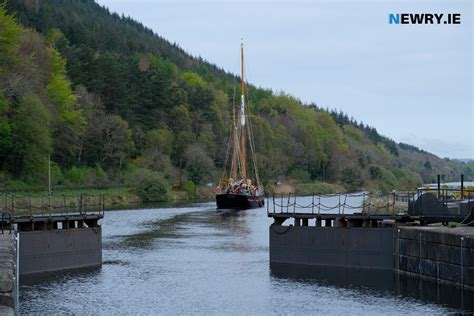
293 187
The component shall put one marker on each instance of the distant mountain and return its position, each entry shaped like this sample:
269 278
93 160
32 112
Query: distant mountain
105 97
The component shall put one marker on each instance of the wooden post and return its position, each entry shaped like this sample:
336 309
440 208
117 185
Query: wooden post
49 175
80 203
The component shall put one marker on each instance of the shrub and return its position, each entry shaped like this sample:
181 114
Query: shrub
190 189
300 175
198 163
152 187
101 179
76 175
352 179
57 176
375 173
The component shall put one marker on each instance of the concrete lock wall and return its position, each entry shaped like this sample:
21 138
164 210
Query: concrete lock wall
332 246
55 250
440 254
7 273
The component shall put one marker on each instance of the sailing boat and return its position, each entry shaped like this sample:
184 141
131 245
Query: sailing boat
238 191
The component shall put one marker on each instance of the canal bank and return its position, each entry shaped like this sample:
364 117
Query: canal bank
439 254
8 279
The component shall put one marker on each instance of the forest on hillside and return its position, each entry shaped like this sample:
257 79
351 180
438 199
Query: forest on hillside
111 103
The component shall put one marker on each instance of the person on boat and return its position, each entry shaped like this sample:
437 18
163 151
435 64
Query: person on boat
252 189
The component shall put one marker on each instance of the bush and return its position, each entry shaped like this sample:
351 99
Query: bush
190 189
76 175
57 177
85 176
375 173
101 179
300 175
198 163
352 179
152 187
18 185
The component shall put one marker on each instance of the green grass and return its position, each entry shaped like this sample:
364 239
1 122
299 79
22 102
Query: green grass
90 191
318 187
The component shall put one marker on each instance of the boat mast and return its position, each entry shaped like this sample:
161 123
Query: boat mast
243 145
233 166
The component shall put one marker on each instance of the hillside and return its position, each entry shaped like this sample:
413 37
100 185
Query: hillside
109 101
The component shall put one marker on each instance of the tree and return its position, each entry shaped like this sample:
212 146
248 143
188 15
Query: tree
6 136
9 37
158 147
198 164
32 140
427 165
107 141
180 119
177 106
352 179
375 173
70 123
207 139
159 140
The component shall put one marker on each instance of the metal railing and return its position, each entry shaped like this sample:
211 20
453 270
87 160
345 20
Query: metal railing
6 220
48 205
392 203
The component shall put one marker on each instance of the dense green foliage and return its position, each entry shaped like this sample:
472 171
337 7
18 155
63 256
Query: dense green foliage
150 186
107 99
190 189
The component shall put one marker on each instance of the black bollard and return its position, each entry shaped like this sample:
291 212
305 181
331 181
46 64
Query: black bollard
439 186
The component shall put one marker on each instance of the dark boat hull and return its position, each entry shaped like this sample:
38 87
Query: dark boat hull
239 201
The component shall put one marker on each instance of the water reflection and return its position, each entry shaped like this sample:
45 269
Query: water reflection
208 222
377 281
433 292
48 279
381 280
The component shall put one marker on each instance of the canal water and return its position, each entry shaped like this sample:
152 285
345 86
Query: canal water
194 260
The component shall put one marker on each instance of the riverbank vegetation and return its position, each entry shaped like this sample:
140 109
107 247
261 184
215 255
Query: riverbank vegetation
106 103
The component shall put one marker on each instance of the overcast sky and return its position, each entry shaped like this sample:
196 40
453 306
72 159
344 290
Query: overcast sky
414 83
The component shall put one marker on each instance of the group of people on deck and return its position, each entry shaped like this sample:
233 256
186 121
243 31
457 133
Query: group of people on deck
243 186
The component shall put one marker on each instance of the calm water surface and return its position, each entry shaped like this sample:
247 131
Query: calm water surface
195 260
